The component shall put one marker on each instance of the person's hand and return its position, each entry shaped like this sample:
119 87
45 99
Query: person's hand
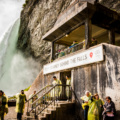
110 112
100 105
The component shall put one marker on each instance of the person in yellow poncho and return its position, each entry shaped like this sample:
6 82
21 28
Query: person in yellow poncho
57 89
20 104
3 105
68 82
95 108
74 46
83 44
33 99
85 106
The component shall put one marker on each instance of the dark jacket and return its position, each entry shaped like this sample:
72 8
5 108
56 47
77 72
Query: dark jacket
110 107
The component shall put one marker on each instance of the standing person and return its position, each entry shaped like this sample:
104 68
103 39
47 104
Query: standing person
94 42
61 53
73 46
20 104
3 103
95 108
57 89
34 97
83 44
100 105
85 106
68 82
109 109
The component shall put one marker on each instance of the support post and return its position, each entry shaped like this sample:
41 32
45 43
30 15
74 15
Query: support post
88 33
111 36
72 85
53 51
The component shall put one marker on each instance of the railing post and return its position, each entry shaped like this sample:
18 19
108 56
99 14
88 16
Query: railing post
69 94
35 114
28 108
54 96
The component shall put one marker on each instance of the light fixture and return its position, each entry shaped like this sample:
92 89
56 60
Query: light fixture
66 35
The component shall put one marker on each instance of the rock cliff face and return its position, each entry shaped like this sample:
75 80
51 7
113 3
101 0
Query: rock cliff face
38 17
112 4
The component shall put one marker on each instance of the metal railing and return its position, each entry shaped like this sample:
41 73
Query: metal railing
70 49
38 94
52 96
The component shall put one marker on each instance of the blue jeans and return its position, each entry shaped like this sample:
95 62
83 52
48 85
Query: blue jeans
86 112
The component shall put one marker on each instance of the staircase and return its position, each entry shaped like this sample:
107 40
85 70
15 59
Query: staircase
48 106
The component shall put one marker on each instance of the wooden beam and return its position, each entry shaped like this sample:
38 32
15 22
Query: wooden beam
69 31
111 36
88 33
53 51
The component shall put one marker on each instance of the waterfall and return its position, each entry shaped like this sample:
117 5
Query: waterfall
16 70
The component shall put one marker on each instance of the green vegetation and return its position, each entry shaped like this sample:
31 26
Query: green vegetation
14 97
27 88
26 1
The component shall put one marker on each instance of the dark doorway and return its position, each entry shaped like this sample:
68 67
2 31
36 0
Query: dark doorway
63 80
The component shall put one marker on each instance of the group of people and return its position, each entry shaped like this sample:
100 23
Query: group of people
21 98
96 109
73 47
61 52
58 89
20 104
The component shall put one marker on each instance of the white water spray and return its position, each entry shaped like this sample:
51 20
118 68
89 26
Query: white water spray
16 71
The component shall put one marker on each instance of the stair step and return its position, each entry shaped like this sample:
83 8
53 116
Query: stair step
50 109
32 114
41 117
25 117
46 113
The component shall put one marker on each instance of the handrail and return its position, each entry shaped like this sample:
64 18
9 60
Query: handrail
43 95
65 50
38 92
48 92
48 99
34 96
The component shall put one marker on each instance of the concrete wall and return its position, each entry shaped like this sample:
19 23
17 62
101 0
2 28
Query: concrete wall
102 78
65 112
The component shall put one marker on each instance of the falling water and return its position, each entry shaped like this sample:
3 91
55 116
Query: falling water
16 71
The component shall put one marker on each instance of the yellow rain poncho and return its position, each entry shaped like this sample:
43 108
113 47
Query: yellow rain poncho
74 47
58 89
6 106
33 99
95 109
68 82
3 107
85 99
83 43
20 103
